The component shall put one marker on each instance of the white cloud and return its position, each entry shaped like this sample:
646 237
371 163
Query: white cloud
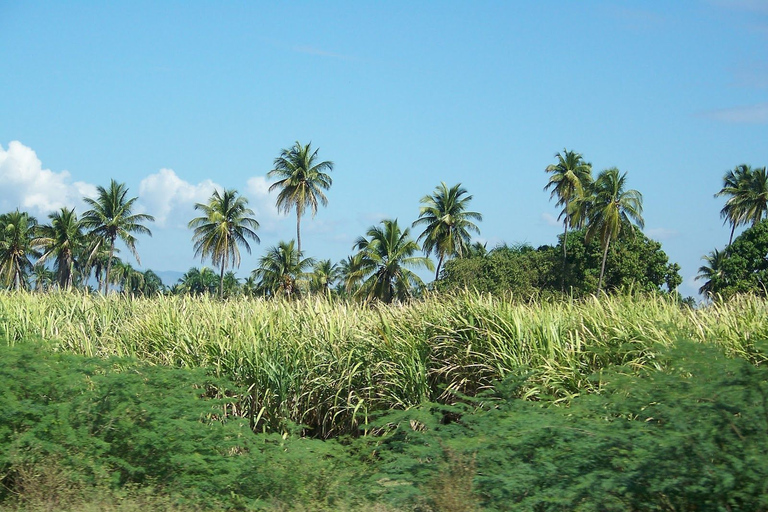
25 185
170 199
660 233
748 114
551 220
259 198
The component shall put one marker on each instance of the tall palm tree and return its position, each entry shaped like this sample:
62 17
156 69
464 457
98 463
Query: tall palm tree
224 225
111 218
387 252
612 207
448 223
747 192
302 180
16 233
282 269
62 239
570 179
712 271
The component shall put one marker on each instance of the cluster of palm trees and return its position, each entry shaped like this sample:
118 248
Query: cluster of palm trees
603 205
383 267
76 248
746 191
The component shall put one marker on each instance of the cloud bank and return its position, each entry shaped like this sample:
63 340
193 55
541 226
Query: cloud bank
25 185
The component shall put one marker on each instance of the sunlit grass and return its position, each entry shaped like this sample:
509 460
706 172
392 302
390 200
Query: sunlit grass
328 365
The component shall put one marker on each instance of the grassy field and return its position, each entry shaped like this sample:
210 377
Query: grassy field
328 365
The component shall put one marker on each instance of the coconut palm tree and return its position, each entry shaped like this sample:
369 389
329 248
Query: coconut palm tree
571 177
351 274
447 223
43 277
197 281
111 218
153 284
612 207
387 252
747 192
62 239
324 274
712 271
282 269
225 224
16 232
302 180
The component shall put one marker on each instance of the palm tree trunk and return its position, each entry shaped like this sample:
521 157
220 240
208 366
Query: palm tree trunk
221 279
439 264
602 267
109 265
733 229
565 243
298 232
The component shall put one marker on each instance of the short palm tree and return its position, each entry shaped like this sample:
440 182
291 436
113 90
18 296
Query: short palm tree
302 179
225 224
153 284
282 269
387 254
447 223
197 281
16 233
712 271
351 274
43 277
111 218
324 274
612 207
571 177
62 239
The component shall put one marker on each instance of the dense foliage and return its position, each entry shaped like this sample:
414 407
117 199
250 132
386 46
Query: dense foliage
634 261
687 433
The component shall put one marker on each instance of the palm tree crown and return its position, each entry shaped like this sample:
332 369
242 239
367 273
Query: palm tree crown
302 180
225 224
448 223
747 192
612 206
62 239
386 253
111 217
281 270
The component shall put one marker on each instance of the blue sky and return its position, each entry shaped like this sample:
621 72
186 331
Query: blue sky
176 98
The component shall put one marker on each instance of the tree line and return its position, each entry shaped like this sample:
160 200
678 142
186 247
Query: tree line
602 247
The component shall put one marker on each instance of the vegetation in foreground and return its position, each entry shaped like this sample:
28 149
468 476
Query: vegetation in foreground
688 433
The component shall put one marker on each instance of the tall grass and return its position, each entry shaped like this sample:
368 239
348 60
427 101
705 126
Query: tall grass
328 365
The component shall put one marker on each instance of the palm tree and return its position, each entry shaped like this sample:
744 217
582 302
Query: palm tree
16 233
225 224
712 271
130 280
153 284
62 239
351 274
612 207
323 276
747 191
281 270
386 254
43 277
302 180
448 223
197 281
111 217
571 177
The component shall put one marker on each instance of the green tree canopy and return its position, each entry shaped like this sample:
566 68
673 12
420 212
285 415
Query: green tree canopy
16 233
